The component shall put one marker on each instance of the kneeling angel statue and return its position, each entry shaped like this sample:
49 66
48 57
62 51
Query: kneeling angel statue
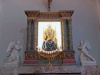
12 53
85 56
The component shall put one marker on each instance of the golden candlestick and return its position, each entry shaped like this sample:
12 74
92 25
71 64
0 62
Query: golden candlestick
49 56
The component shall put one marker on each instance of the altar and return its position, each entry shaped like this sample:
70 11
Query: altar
49 47
49 38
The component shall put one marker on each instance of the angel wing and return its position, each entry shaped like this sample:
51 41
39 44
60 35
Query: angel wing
87 44
11 45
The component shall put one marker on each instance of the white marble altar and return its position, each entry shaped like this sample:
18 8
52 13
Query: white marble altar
84 70
39 69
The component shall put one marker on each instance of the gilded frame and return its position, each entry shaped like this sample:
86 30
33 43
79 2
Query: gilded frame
33 17
63 16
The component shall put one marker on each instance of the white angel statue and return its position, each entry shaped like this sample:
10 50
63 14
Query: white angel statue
85 57
12 51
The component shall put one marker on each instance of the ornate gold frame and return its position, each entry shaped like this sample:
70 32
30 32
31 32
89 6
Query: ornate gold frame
50 16
64 16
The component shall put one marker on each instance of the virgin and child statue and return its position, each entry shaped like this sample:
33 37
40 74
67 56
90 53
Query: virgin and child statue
50 40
